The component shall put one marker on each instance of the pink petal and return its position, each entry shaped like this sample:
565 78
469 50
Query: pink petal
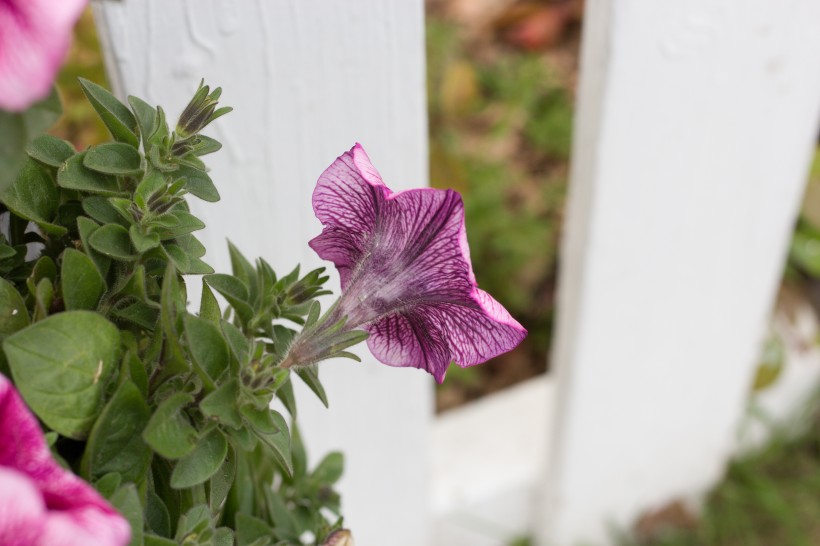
22 510
34 39
74 507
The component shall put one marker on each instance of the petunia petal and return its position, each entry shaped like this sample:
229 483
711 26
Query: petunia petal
33 42
346 200
22 510
23 448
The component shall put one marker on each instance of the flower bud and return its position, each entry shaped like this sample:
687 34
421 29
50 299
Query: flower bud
200 111
342 537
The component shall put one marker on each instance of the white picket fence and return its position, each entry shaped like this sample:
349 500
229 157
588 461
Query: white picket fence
695 126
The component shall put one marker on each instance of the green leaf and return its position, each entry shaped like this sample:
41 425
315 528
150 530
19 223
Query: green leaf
209 307
80 280
143 242
221 482
199 184
75 175
86 227
61 365
17 129
140 314
234 291
35 197
223 536
201 463
114 241
236 341
244 271
115 443
169 432
221 404
43 296
330 469
178 257
157 516
311 378
127 502
272 429
7 252
204 145
116 116
286 395
154 540
179 223
146 116
206 346
134 368
13 313
153 182
108 484
250 528
285 523
50 150
114 158
191 246
100 209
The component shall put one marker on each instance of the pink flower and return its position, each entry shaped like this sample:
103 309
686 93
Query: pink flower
34 39
405 269
41 504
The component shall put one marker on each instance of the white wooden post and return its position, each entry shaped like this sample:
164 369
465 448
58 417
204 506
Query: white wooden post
307 79
696 121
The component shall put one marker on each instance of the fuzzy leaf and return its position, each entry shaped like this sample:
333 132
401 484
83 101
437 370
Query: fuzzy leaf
81 282
206 346
115 443
127 502
143 242
234 291
113 158
198 183
116 116
201 463
169 432
114 241
146 116
35 197
61 366
50 150
311 378
86 227
75 175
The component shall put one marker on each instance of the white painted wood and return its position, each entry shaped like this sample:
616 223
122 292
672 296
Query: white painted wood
307 79
487 458
696 121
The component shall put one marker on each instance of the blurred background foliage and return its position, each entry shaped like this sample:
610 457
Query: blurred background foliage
501 113
80 125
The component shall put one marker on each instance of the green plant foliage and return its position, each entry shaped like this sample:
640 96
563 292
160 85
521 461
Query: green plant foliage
167 412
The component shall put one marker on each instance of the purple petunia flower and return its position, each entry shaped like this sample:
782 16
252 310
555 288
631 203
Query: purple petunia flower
405 270
34 38
41 504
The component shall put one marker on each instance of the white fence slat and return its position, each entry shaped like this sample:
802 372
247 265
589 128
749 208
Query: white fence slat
307 79
695 129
